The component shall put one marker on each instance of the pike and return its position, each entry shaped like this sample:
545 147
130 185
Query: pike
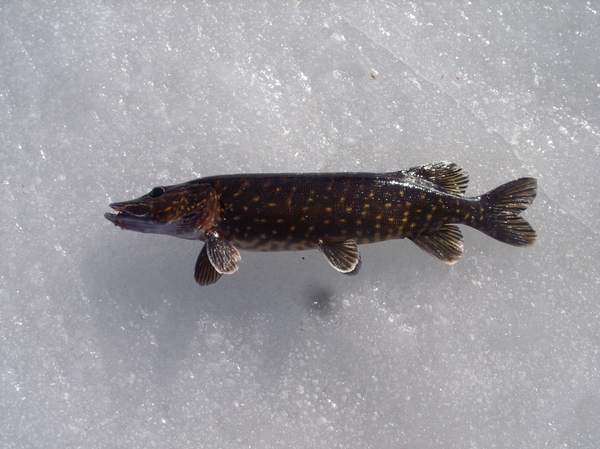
334 212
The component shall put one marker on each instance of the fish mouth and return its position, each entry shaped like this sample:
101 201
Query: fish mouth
129 215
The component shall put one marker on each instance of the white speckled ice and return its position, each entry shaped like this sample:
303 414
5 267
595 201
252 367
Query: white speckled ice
107 341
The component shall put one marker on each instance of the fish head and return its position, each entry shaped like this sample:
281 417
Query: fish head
183 210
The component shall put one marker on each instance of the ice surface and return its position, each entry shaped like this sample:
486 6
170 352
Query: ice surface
106 341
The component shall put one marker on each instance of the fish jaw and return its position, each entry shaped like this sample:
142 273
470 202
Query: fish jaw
183 211
133 216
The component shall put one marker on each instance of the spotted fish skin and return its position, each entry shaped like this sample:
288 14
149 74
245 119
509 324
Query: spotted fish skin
334 212
292 211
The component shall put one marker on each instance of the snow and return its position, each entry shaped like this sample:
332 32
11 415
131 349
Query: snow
106 340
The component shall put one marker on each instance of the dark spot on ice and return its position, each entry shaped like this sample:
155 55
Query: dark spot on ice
321 300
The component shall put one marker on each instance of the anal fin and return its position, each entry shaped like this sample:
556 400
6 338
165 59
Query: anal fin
223 256
204 272
344 256
445 244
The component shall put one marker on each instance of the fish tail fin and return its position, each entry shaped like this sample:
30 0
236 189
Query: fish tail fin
502 207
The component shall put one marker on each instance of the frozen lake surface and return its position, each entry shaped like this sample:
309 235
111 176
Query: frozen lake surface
106 340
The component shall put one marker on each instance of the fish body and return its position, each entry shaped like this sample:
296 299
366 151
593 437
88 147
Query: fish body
334 212
292 211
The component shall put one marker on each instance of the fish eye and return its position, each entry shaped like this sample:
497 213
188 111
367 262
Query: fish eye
156 192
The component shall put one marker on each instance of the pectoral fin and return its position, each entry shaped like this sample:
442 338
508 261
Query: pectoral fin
445 244
343 256
205 273
223 256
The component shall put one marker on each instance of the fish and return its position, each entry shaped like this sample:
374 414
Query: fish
332 212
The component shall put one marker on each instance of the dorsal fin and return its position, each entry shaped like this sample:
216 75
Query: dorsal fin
447 175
